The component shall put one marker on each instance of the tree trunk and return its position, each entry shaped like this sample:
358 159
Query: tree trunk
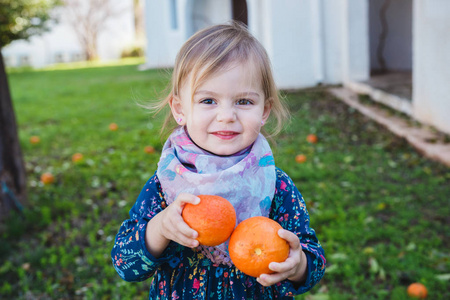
139 26
12 168
93 48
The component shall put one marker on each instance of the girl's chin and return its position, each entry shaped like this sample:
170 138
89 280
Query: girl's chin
220 151
227 151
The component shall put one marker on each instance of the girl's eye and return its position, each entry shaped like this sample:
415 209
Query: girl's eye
208 101
244 102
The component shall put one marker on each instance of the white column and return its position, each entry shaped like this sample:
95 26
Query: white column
431 63
291 44
333 32
356 57
164 30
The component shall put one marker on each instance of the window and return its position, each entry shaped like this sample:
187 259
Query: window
59 58
24 61
173 14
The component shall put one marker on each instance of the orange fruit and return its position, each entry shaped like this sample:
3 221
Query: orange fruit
417 290
113 127
301 158
213 218
47 178
255 243
149 149
311 138
77 157
35 139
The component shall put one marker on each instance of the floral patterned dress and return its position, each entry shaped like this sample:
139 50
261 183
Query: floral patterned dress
185 273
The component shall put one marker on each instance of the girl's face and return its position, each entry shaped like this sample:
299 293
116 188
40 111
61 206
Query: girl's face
227 111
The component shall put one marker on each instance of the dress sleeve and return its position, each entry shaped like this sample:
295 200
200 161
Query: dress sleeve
130 256
289 209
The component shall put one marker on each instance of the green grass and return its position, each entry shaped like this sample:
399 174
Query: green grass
379 208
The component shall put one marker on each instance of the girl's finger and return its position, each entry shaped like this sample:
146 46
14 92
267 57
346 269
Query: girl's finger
174 228
290 237
284 267
187 242
271 279
184 236
184 229
184 198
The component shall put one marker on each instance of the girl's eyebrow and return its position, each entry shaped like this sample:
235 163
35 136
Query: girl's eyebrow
247 94
204 92
242 94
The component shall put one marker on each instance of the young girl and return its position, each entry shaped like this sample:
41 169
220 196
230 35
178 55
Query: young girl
222 95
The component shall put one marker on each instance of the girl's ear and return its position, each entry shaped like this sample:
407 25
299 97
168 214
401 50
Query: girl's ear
177 110
267 109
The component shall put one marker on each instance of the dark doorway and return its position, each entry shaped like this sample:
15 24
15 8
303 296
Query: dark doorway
240 11
390 24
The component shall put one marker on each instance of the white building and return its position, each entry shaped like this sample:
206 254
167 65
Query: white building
314 42
62 45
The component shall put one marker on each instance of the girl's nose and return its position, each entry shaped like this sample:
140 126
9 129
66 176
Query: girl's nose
226 114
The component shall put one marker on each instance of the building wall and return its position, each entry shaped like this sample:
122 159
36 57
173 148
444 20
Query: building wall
170 23
290 42
355 40
162 26
312 42
58 45
431 63
309 42
332 14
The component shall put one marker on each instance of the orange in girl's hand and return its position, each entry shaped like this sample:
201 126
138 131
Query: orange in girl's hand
213 218
300 158
77 157
47 178
113 127
35 139
255 243
149 149
311 138
417 290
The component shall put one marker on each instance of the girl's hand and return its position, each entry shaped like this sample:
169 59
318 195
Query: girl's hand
172 224
169 225
293 268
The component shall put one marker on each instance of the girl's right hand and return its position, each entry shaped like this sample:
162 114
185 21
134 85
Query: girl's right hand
168 225
171 224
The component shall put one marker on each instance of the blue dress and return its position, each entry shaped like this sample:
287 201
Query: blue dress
184 273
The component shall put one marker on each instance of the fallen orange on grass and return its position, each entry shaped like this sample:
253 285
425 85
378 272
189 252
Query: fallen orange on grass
417 290
311 138
113 126
300 158
47 178
149 149
77 157
35 139
213 218
255 243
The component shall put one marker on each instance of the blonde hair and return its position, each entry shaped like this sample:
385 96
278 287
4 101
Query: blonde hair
212 49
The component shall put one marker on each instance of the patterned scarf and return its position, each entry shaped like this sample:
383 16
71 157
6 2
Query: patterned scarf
246 179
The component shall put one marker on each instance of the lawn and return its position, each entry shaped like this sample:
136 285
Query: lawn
380 210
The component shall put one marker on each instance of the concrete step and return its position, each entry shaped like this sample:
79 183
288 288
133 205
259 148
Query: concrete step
423 138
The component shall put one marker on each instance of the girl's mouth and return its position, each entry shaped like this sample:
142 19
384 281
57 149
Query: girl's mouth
225 135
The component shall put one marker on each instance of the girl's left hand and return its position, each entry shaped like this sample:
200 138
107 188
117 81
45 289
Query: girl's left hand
293 268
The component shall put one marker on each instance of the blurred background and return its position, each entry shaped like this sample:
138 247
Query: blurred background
362 44
76 148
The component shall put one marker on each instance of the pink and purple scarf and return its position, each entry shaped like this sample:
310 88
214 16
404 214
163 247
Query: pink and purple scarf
246 179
